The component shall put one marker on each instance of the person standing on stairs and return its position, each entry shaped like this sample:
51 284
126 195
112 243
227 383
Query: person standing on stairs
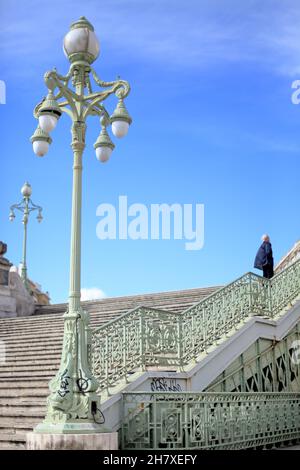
264 258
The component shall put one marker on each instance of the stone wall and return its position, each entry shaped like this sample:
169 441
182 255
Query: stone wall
292 256
15 300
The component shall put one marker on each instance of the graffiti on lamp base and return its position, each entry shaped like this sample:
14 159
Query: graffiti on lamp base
64 384
82 383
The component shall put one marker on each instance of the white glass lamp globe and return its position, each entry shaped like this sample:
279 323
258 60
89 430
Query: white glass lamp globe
119 128
40 147
26 190
81 39
13 269
47 122
103 153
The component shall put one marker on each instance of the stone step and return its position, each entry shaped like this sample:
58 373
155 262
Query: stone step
170 301
7 369
95 318
52 313
56 318
51 325
39 361
4 430
24 392
46 330
19 382
27 364
23 401
24 332
17 437
189 295
34 322
41 356
26 411
46 327
32 340
41 347
117 304
8 445
27 375
24 422
29 346
7 330
24 329
95 314
42 359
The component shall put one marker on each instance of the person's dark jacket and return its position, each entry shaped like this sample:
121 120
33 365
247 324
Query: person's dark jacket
264 256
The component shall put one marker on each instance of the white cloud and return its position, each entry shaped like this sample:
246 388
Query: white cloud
92 293
193 34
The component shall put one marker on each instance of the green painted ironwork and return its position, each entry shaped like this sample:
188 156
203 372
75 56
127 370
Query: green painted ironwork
209 421
26 206
145 337
267 366
73 405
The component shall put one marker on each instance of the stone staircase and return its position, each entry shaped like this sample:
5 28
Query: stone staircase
33 346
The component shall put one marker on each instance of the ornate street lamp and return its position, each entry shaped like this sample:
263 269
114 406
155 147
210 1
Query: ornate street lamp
26 206
73 405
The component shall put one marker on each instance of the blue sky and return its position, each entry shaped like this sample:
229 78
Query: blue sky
213 123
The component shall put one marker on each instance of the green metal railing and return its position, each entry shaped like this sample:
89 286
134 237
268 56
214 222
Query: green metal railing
209 420
266 366
147 337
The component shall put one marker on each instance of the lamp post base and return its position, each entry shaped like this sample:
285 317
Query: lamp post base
70 428
84 441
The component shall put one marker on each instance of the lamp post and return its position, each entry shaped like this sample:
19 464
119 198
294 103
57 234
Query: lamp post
26 206
73 405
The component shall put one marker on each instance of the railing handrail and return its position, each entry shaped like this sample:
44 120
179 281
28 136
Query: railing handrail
130 312
224 420
285 269
171 312
208 297
181 338
205 299
238 394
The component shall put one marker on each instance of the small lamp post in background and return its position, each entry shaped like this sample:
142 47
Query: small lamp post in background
73 404
26 206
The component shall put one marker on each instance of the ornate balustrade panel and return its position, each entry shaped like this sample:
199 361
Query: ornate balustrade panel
285 287
260 295
205 323
209 420
162 336
116 349
146 337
